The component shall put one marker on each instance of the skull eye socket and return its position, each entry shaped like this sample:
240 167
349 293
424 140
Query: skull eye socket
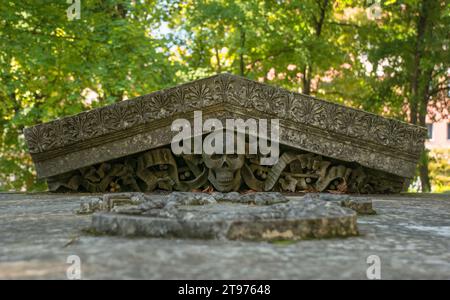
233 156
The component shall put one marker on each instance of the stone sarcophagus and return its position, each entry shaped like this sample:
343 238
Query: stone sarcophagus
323 146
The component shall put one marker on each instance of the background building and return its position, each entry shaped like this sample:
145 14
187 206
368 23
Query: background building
438 135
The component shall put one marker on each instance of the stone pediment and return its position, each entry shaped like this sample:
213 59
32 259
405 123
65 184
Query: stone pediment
307 125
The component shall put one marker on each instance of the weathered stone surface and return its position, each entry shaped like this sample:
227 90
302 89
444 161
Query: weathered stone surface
109 202
85 141
38 232
90 205
137 203
258 216
266 198
362 205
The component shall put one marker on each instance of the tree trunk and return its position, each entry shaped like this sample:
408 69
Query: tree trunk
424 172
319 22
420 82
306 80
219 67
423 165
241 55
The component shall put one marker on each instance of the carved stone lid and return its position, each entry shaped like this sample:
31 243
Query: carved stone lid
143 123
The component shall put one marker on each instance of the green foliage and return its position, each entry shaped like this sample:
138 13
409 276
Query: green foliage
440 170
47 63
52 67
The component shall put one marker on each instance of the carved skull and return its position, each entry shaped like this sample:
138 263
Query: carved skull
224 170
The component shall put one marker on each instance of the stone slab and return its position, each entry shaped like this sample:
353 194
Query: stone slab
256 217
410 234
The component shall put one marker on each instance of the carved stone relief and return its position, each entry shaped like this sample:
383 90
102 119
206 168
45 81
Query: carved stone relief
310 124
159 169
